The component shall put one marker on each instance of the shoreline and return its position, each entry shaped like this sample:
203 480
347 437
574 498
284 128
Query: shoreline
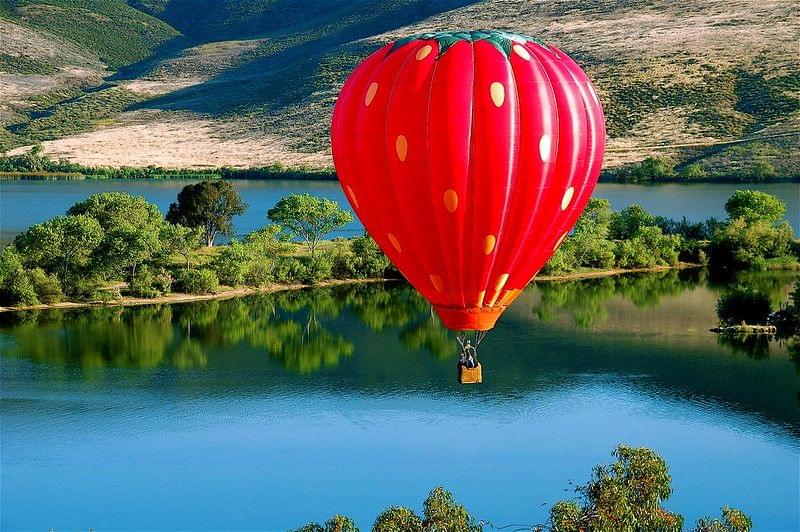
273 288
319 174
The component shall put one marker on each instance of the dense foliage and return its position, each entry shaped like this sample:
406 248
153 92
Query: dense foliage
208 205
625 496
309 217
34 164
115 244
754 236
663 170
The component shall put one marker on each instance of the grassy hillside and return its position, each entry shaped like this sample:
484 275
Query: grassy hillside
685 81
112 30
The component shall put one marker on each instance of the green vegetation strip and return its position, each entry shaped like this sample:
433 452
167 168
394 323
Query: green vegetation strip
33 165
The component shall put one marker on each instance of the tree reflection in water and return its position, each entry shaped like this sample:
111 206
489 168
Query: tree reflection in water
585 300
308 330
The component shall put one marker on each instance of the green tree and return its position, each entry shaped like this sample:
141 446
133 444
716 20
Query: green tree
755 206
232 262
60 244
209 205
733 520
397 519
647 248
763 171
595 219
588 245
629 221
267 245
337 523
15 286
740 244
131 230
308 217
176 238
692 172
627 495
47 287
441 513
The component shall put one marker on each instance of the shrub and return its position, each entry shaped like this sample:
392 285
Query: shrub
343 261
201 281
747 245
47 287
87 288
150 283
742 304
629 491
370 261
258 274
649 247
15 286
289 270
318 268
629 221
232 262
692 172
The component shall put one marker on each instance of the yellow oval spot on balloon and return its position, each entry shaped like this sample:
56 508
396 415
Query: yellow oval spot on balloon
488 244
521 51
481 296
501 282
498 93
401 147
560 240
437 283
567 199
450 200
371 90
423 52
352 196
395 242
545 145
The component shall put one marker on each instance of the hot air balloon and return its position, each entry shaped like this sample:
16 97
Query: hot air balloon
468 156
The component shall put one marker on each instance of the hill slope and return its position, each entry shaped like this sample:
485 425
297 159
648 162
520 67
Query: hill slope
253 81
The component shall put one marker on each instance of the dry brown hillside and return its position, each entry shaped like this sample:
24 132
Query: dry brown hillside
687 80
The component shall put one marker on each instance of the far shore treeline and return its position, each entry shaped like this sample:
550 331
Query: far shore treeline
35 165
114 245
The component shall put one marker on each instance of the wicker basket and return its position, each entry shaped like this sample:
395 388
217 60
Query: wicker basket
470 375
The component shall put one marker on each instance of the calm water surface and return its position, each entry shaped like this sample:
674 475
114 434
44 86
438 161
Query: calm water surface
270 411
24 203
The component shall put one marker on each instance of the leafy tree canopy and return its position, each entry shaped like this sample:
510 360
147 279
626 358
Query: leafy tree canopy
309 217
629 221
209 205
755 206
131 227
60 244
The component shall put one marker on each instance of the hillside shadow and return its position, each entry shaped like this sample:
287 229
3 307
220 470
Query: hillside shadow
283 71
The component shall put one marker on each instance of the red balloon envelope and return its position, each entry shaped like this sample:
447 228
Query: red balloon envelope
468 156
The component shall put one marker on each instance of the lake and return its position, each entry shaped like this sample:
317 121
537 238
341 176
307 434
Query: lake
270 411
26 202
